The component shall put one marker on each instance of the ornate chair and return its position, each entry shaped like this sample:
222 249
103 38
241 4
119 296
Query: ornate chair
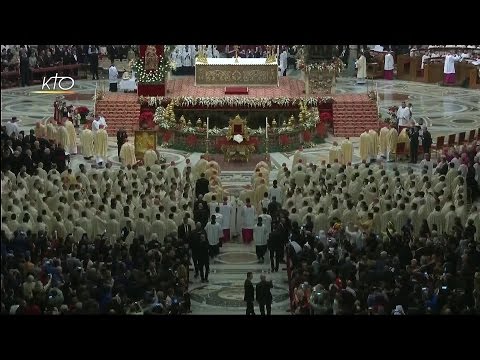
238 126
238 146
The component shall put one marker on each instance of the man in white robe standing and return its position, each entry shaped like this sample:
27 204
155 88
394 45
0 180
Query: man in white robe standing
347 151
214 232
449 69
113 77
361 65
260 237
72 138
283 62
226 211
248 217
388 66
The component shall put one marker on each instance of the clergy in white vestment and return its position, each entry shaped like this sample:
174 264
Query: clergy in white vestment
40 130
227 216
388 66
150 157
51 131
392 140
266 221
248 221
382 141
95 124
361 65
200 167
62 136
127 154
364 145
260 238
297 156
113 77
72 138
86 142
449 69
334 153
101 145
373 148
347 151
214 233
403 116
425 59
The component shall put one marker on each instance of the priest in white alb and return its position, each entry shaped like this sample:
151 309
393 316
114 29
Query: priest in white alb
388 66
86 142
226 210
101 145
127 154
361 65
364 145
150 157
260 237
334 153
72 138
214 233
346 151
382 141
392 140
373 148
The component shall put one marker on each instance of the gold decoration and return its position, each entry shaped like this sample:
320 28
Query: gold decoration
236 126
238 74
151 58
199 123
274 123
201 56
189 123
182 121
233 151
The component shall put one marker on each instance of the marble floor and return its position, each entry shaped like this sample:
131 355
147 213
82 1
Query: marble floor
446 110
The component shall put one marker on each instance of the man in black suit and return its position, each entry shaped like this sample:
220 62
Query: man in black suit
184 231
275 245
249 296
426 141
201 186
413 135
195 239
203 258
273 207
264 296
200 201
201 215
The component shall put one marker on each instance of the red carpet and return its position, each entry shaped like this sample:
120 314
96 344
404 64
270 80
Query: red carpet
236 90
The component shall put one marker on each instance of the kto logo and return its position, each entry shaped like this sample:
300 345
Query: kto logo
57 85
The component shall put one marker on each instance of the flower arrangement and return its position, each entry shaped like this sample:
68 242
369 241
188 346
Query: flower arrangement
157 76
81 114
233 101
335 66
145 120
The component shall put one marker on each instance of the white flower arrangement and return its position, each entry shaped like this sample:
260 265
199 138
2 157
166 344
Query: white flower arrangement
234 101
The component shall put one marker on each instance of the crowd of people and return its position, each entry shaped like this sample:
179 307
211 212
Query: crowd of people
98 240
363 241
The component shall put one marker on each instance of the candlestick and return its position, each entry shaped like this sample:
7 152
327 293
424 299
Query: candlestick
207 126
266 127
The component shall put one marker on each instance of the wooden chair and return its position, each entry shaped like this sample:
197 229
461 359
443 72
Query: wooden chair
461 138
451 140
439 144
400 150
471 136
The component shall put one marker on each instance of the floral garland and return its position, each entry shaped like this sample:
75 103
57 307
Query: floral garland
234 101
336 66
153 76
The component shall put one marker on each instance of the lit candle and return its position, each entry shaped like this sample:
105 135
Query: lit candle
207 126
266 127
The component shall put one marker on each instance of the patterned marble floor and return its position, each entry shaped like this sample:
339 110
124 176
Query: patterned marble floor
447 110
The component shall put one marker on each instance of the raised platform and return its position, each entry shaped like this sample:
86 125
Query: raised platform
352 113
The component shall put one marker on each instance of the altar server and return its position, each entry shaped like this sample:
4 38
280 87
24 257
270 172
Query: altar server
113 77
226 211
248 221
388 66
214 233
449 69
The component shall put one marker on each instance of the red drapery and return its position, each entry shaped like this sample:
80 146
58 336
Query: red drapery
144 47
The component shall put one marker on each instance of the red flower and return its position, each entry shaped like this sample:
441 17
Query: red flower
146 120
307 136
326 116
284 139
191 140
82 110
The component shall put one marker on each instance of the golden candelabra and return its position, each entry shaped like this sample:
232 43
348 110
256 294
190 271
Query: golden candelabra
207 146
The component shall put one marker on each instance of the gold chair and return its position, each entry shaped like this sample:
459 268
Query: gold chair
233 149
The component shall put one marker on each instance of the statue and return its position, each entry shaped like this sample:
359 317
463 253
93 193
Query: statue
151 58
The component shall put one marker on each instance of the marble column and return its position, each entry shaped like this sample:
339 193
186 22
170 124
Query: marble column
351 71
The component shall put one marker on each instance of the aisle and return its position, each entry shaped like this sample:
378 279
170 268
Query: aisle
223 295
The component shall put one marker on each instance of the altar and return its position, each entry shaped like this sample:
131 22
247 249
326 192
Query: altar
236 71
